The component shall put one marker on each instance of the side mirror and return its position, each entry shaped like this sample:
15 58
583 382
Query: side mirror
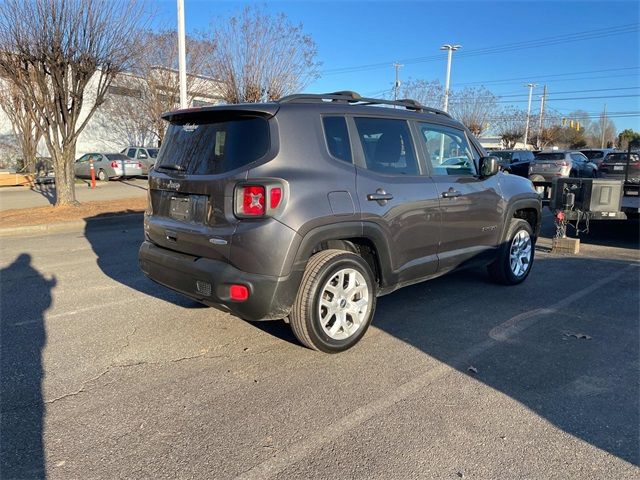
488 166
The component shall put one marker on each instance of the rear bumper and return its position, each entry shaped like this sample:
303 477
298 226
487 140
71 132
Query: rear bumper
269 297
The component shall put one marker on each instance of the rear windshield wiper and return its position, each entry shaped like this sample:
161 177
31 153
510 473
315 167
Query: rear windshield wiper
172 166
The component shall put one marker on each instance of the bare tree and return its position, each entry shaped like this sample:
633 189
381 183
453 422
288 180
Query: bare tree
51 50
428 93
20 111
138 100
473 106
595 130
510 124
259 56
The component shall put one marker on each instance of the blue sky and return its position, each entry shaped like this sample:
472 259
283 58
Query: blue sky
604 59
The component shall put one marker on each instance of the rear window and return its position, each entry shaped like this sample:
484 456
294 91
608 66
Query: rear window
117 156
216 147
501 155
621 158
591 154
550 156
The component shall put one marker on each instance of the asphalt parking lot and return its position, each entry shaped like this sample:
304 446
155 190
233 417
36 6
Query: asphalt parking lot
106 375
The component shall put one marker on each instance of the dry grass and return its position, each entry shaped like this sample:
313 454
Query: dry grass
45 215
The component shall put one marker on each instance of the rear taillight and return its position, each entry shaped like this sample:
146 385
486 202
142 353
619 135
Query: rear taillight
258 200
275 196
253 200
634 166
139 164
114 164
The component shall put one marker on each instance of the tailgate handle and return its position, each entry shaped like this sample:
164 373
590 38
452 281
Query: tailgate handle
171 235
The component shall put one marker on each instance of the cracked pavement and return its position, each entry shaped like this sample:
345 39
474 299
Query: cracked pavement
106 375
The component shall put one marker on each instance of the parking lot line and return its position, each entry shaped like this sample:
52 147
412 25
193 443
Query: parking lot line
300 450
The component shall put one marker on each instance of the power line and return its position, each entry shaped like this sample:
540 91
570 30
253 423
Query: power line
540 42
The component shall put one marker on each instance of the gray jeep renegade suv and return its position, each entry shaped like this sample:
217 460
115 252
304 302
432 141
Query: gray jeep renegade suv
310 207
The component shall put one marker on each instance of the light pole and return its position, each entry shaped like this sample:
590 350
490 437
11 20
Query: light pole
450 49
526 128
182 60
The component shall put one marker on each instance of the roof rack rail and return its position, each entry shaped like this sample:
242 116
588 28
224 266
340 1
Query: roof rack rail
355 98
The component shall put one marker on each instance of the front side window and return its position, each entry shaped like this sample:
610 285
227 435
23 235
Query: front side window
448 150
387 146
337 137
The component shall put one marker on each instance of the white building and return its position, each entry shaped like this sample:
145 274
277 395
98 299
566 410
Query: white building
111 127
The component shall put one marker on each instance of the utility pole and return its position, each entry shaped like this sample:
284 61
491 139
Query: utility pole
541 121
396 86
604 124
526 128
182 57
450 49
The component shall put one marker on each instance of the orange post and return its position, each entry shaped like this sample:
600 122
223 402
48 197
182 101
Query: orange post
93 173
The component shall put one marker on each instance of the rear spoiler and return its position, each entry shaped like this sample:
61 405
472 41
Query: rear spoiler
219 112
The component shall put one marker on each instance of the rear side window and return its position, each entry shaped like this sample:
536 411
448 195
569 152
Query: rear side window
216 147
337 136
387 146
131 152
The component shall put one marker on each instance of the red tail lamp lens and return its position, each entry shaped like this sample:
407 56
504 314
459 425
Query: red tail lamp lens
253 201
239 293
114 164
275 195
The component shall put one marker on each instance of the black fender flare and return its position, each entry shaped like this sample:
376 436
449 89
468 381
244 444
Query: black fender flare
521 204
343 231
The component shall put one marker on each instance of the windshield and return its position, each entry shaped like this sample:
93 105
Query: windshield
153 152
216 147
550 156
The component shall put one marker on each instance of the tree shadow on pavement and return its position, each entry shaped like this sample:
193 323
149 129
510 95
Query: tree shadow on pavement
115 242
25 295
47 190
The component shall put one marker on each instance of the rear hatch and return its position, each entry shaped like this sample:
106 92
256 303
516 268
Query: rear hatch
203 155
615 166
549 163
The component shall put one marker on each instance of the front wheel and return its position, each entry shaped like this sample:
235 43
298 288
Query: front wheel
515 257
335 303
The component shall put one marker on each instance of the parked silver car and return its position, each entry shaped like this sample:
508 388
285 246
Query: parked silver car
145 155
107 166
554 164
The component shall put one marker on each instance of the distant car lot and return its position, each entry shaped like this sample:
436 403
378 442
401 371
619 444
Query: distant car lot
106 374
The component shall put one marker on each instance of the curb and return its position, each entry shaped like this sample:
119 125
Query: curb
126 219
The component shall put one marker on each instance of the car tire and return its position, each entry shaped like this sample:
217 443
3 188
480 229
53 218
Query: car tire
102 176
515 254
329 315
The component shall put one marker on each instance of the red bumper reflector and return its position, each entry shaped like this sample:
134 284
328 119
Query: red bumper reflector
239 293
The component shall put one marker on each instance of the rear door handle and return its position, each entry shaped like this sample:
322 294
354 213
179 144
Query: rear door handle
451 193
380 196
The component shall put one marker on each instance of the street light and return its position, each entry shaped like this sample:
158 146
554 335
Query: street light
450 49
182 63
526 128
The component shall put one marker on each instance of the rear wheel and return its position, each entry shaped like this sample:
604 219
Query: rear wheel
335 303
515 257
102 176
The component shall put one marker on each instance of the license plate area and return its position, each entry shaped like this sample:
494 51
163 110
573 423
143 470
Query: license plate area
618 167
188 208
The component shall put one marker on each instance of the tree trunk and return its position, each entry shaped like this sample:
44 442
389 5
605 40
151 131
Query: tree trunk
63 161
